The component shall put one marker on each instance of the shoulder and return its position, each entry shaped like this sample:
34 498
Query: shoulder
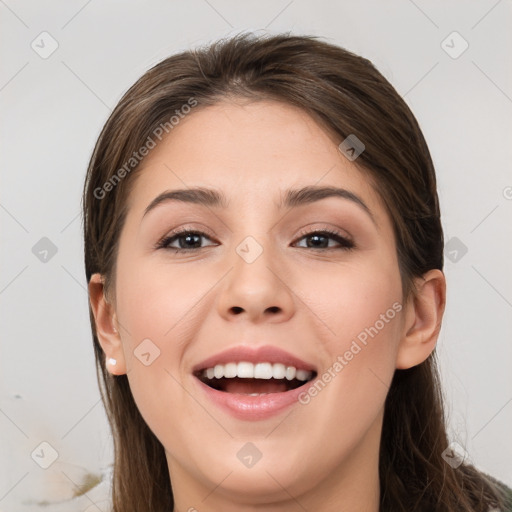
508 497
507 494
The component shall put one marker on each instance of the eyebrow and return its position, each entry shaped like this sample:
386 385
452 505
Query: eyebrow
292 198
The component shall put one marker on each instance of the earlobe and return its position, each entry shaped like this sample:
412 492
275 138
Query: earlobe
106 331
423 317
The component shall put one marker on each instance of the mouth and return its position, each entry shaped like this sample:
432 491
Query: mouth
254 379
253 383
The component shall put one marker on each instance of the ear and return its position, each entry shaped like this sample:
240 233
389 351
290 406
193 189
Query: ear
107 328
423 317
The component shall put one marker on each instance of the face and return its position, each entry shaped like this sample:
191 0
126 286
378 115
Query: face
296 302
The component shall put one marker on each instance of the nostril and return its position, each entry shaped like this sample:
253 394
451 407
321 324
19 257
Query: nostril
236 309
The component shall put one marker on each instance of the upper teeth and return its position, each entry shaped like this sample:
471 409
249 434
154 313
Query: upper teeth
245 370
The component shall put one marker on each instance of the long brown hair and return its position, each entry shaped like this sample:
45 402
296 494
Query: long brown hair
347 94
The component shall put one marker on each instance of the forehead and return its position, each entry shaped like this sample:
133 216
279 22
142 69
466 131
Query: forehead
251 152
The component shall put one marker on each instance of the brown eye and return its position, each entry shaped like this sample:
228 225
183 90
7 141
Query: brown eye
187 240
320 240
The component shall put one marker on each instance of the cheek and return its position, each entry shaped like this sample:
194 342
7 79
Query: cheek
154 309
361 307
155 302
351 297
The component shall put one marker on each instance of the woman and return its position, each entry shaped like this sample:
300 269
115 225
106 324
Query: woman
264 254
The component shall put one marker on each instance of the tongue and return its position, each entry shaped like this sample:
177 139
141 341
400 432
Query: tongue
248 386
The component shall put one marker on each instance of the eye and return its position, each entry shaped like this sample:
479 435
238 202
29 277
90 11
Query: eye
318 239
188 240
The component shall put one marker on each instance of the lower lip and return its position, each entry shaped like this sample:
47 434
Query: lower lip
253 408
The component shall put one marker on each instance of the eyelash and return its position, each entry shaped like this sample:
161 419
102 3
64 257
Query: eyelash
345 243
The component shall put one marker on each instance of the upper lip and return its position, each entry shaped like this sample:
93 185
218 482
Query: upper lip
261 354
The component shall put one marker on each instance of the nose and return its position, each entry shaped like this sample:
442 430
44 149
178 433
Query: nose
257 291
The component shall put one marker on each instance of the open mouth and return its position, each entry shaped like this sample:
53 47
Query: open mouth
254 379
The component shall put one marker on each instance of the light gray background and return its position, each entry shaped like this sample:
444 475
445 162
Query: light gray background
52 112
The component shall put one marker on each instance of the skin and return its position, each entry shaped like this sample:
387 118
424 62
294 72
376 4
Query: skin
311 302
